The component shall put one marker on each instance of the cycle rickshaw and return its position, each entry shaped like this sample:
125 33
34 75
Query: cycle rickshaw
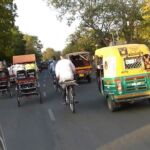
26 79
4 82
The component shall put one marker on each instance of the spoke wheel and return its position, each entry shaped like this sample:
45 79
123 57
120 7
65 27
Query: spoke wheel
71 99
18 101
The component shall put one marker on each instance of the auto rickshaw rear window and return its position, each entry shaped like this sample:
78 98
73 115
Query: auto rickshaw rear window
134 62
79 61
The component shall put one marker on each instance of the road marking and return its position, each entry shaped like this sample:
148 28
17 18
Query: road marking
51 115
2 138
44 94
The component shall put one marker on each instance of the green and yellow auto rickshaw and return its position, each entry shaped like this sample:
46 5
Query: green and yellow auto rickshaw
123 73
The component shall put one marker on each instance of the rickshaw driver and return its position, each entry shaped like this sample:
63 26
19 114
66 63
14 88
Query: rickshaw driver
64 70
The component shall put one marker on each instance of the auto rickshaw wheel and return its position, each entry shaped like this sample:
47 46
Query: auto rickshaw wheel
111 104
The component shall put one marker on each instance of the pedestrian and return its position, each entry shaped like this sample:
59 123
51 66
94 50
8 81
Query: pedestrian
52 68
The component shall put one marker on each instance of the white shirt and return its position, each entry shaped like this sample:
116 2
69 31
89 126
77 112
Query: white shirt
64 70
52 66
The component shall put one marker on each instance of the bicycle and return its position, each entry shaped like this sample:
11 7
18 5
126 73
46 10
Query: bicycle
68 86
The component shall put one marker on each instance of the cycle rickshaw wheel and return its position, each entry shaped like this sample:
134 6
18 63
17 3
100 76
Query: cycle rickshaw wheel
18 101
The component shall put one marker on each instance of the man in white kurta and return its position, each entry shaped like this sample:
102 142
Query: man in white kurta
64 70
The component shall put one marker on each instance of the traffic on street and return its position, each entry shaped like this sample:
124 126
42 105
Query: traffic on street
74 75
51 125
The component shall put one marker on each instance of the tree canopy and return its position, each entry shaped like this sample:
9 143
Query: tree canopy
104 17
49 53
7 19
101 22
82 40
12 41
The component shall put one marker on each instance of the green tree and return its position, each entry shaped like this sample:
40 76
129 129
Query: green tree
48 54
82 40
18 43
143 28
7 19
103 16
33 45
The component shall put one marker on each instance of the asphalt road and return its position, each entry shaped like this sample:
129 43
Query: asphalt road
52 126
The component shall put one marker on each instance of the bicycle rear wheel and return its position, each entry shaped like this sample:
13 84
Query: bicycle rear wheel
71 99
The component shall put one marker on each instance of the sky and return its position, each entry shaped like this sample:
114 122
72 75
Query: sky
36 18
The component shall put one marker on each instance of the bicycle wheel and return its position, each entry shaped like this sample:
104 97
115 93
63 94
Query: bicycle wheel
18 101
67 96
71 99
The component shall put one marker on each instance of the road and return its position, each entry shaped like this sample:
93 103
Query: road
51 125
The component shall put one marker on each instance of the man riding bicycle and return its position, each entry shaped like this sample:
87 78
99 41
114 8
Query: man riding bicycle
65 71
52 68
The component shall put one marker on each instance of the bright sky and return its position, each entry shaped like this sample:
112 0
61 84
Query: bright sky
36 18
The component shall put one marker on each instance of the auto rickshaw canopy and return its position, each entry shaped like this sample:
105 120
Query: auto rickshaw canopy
123 60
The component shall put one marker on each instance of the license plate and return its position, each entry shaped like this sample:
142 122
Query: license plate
81 75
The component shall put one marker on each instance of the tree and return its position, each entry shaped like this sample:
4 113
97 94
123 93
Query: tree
82 40
7 18
102 16
143 28
48 54
33 45
18 43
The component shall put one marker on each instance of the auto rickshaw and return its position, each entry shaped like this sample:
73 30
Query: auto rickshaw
123 74
81 60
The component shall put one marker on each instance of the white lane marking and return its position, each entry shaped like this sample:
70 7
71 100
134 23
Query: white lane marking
44 94
51 115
